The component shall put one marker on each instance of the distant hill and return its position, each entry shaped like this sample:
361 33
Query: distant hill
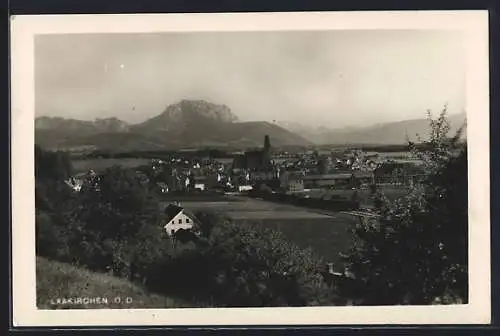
198 123
384 133
188 123
188 113
60 280
87 127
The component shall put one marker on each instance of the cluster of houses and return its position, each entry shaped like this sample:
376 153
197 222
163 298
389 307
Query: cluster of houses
281 171
296 172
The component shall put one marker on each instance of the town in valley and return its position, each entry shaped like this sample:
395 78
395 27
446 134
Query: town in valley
250 169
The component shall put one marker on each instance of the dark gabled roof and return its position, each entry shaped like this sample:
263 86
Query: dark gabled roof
328 176
171 211
200 178
387 168
360 174
408 167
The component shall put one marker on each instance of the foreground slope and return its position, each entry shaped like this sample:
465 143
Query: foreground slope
57 280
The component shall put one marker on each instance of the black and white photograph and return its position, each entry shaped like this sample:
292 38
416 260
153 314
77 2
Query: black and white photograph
259 166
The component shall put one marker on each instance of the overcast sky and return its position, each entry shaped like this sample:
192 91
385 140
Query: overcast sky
334 78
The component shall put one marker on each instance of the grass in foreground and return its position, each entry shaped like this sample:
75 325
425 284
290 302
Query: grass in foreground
57 282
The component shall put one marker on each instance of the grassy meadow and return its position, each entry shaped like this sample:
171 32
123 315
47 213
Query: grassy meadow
326 233
57 280
327 237
392 193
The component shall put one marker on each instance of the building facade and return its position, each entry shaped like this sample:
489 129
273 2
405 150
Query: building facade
177 218
292 182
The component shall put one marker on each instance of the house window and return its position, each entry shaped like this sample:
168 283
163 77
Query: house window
173 222
180 221
187 220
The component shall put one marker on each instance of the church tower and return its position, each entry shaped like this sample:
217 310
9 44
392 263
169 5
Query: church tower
267 144
267 151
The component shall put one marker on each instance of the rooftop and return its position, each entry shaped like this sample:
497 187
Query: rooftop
173 210
327 176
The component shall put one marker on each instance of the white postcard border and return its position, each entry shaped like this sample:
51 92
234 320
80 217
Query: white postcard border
23 29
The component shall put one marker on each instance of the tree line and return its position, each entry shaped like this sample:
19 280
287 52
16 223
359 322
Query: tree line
113 225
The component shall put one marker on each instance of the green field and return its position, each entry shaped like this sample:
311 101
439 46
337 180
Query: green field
190 198
83 165
246 207
55 280
276 215
326 233
327 237
392 193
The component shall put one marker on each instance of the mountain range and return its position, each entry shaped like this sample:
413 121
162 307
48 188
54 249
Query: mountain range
198 123
380 134
186 124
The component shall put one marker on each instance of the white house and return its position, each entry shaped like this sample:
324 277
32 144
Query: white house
177 218
74 183
244 188
163 187
199 185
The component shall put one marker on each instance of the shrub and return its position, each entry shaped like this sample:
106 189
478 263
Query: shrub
114 224
46 235
417 250
242 265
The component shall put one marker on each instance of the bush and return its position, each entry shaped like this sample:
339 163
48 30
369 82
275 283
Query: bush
46 235
417 250
113 225
52 165
240 265
53 199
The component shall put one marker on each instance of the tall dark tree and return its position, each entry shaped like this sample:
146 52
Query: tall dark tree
416 252
52 165
322 165
115 214
53 198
